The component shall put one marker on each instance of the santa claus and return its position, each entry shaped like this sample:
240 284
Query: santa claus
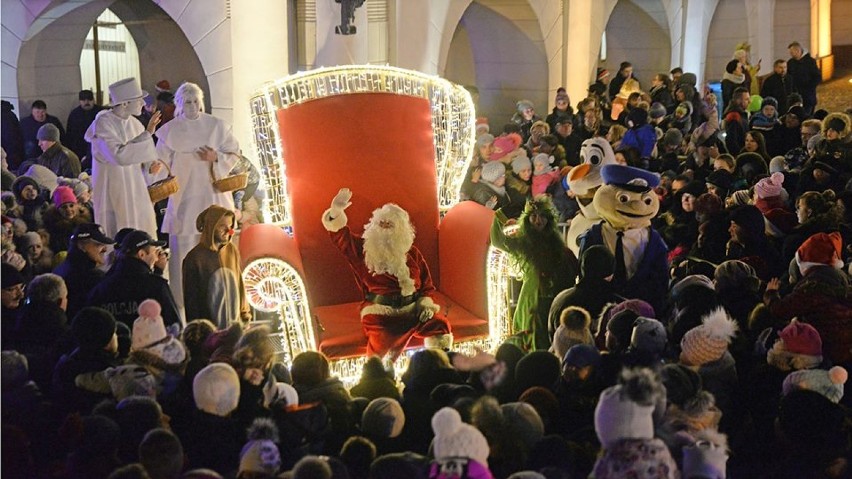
394 277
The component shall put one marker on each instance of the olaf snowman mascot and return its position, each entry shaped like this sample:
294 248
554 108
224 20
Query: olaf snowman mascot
584 180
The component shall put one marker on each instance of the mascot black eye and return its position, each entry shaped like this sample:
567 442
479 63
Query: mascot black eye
595 160
648 200
622 198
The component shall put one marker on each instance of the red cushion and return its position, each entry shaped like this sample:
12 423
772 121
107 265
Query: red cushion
341 335
380 146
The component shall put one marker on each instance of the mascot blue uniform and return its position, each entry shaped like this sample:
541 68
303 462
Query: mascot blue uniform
627 203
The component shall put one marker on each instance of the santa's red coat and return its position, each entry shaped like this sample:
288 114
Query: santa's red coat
386 332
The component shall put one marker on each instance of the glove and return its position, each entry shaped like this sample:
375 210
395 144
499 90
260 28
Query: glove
426 309
341 200
425 314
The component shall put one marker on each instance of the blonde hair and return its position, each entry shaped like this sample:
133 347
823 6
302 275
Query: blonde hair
185 91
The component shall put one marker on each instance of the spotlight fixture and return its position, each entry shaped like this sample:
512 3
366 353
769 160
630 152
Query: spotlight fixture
347 16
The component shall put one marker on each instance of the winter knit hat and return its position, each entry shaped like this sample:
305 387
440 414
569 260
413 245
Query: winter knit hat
709 341
48 132
31 238
735 275
771 186
673 137
216 389
777 164
523 105
43 176
523 422
148 328
520 163
657 110
453 438
93 328
62 195
582 355
828 383
484 140
649 335
260 454
625 411
482 125
801 338
683 385
769 101
573 329
740 197
383 418
492 171
505 144
820 249
543 161
799 346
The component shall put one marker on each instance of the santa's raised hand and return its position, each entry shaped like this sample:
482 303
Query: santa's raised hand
341 200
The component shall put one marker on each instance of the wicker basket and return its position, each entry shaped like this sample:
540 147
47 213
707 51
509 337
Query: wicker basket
229 183
162 189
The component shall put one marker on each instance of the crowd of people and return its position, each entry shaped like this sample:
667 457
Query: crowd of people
724 356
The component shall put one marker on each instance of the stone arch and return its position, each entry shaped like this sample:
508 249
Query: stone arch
728 27
509 60
638 31
187 42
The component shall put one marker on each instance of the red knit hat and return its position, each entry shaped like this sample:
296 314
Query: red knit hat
801 338
820 249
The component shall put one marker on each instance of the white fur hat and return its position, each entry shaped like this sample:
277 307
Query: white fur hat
216 389
453 438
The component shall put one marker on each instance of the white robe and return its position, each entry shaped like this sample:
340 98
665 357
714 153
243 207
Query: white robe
177 144
121 149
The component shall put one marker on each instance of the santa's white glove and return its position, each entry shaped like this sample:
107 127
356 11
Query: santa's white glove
426 309
340 202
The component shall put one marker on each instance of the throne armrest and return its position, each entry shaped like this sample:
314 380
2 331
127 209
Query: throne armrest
269 241
463 241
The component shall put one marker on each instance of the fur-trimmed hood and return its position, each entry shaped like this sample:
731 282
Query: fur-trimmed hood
844 135
169 356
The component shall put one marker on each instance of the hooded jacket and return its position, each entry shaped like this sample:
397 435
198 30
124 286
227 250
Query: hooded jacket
212 276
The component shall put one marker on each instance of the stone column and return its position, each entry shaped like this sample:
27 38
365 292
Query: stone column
584 25
260 54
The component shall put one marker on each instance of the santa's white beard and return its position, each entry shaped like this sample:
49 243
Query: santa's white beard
385 251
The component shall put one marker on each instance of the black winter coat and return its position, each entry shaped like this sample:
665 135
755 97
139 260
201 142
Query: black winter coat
128 284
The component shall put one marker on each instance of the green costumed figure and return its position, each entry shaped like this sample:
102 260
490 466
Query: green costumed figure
547 265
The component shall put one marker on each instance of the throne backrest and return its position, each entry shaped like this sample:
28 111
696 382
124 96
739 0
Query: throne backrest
380 145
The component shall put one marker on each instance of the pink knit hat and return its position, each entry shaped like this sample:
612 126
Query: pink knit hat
709 341
506 144
62 195
801 338
771 186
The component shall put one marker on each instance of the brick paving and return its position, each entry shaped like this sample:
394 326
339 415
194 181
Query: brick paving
836 94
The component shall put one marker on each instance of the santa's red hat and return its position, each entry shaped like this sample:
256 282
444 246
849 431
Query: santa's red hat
820 249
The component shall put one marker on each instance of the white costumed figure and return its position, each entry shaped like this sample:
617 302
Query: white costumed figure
584 180
394 277
122 149
190 144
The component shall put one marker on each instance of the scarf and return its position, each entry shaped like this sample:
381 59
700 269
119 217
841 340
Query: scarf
738 79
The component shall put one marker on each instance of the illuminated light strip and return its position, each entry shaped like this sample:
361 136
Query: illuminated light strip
453 126
453 121
272 285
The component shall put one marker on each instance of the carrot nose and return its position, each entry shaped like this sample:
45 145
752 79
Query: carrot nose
579 172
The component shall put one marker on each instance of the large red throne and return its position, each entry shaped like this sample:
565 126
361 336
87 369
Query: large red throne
381 142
